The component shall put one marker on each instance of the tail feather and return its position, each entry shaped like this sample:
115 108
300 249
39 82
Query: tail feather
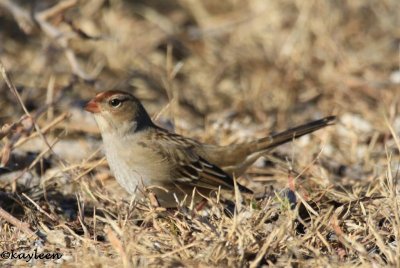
236 158
275 140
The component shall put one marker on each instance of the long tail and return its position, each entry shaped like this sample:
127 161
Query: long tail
236 158
274 140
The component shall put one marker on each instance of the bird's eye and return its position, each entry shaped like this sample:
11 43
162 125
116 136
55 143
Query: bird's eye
115 103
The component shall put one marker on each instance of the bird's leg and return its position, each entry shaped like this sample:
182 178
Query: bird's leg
200 205
153 199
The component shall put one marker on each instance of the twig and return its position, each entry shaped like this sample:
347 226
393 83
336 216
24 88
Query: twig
118 246
21 16
57 9
23 226
50 97
43 153
51 217
27 22
45 129
34 162
61 38
14 90
98 163
174 251
6 129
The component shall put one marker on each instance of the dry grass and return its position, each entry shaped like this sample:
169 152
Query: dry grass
221 72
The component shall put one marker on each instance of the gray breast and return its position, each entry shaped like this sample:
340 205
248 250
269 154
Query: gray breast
134 165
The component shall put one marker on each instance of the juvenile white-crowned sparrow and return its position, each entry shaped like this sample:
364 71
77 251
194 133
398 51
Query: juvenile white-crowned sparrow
140 153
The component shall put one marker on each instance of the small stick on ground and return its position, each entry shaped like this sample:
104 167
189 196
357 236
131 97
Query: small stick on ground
23 226
51 217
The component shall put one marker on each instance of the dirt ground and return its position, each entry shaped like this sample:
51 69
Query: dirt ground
220 72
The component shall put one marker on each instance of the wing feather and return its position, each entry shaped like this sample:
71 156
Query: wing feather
188 167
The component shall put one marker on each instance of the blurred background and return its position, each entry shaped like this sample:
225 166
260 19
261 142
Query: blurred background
217 71
220 71
270 62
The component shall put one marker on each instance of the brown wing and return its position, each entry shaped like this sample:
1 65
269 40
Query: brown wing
187 167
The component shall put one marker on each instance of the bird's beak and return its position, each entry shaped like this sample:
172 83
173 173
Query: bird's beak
92 107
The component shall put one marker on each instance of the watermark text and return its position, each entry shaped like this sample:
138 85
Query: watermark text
18 255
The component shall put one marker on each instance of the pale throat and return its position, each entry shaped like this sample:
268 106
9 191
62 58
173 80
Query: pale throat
130 170
113 127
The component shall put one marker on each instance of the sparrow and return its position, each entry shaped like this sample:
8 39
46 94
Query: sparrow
142 155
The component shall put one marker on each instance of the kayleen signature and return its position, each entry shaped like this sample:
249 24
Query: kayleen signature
17 255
